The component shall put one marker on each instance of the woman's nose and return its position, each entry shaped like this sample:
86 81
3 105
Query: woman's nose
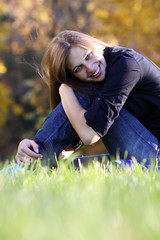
89 67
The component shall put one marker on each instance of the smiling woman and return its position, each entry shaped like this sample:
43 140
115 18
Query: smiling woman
87 65
112 93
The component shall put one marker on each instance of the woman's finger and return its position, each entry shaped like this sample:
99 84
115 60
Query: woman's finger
27 152
31 154
34 146
25 149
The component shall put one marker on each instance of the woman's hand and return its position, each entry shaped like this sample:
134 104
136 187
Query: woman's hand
27 151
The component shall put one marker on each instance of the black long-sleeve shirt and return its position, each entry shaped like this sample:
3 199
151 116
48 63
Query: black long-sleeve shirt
132 81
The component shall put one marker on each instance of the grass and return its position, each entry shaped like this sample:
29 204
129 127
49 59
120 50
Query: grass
90 204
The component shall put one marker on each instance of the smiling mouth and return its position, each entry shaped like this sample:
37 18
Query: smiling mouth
97 72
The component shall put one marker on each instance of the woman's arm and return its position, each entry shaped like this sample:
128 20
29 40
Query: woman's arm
75 114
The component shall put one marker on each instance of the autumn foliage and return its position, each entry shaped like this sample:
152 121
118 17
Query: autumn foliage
27 26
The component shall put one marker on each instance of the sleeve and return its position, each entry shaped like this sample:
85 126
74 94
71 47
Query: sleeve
120 80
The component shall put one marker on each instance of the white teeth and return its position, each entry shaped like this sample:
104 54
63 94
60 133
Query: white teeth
96 72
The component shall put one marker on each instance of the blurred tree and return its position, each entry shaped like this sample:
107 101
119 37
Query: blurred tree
129 23
26 27
6 103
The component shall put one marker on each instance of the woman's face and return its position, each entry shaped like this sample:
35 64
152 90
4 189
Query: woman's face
87 65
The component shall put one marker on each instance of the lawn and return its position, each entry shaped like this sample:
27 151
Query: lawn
91 203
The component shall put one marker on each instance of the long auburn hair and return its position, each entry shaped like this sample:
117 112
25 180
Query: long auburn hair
53 65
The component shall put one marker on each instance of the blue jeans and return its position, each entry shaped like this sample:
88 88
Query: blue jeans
125 134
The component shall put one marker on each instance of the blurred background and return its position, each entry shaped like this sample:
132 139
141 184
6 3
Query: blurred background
25 29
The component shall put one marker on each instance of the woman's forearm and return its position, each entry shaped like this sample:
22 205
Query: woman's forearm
75 114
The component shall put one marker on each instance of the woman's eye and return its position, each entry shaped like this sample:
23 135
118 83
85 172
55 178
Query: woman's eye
78 69
89 55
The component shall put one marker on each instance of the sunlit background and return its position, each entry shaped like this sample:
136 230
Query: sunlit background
25 29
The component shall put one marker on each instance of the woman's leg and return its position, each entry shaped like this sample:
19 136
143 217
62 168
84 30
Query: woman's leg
57 133
128 134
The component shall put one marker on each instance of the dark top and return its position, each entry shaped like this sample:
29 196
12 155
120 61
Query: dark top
132 81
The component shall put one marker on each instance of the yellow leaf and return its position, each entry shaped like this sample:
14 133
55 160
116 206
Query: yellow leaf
3 68
103 14
18 110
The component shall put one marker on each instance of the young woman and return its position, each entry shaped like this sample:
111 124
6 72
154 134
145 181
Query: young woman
112 93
